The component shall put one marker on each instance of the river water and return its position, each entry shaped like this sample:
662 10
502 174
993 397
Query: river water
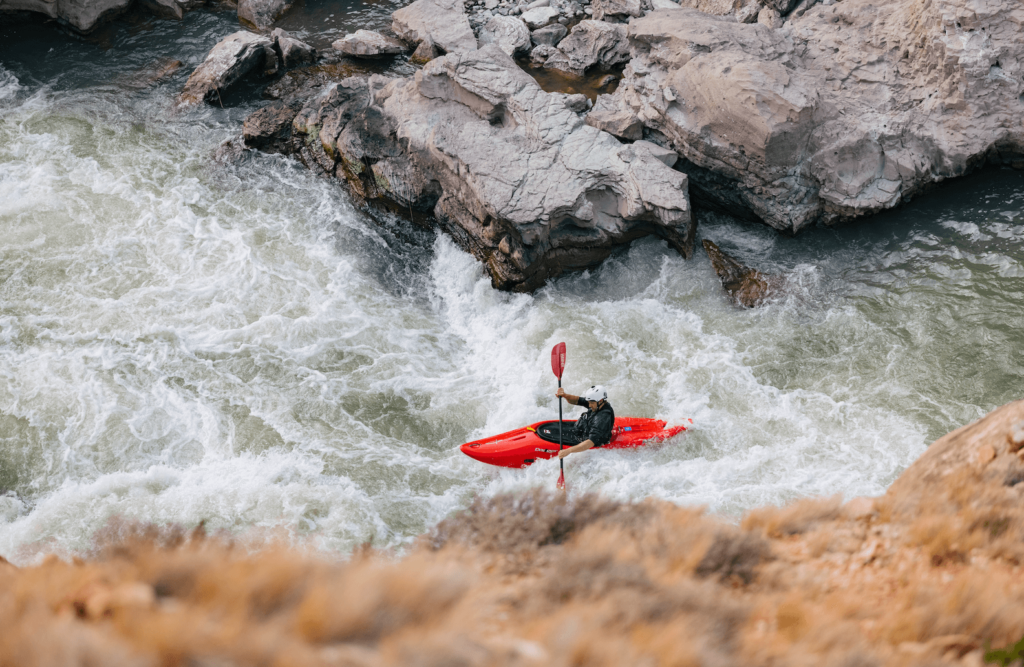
183 339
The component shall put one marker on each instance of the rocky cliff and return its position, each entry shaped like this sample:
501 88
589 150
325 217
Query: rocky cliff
929 574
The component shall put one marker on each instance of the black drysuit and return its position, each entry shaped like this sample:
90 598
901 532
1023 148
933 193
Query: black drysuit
596 426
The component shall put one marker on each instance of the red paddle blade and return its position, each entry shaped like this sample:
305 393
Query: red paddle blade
561 481
558 359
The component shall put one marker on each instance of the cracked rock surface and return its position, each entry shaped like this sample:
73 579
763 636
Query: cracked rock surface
511 172
847 110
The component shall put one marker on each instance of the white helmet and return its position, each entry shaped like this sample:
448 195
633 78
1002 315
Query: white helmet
595 393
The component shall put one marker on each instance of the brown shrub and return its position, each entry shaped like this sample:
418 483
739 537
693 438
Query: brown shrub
733 556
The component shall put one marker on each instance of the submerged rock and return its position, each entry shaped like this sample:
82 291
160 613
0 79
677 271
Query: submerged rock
262 14
443 22
368 44
849 110
748 287
510 171
230 60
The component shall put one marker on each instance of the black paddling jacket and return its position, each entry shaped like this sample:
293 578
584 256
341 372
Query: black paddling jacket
596 426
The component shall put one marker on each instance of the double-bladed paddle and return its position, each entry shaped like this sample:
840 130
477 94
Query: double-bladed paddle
558 365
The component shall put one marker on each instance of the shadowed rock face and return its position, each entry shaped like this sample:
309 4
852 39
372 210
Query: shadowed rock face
510 171
81 15
847 110
748 287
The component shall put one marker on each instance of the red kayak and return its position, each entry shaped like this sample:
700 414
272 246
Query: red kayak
520 448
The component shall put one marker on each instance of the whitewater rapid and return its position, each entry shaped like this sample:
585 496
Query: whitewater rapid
184 339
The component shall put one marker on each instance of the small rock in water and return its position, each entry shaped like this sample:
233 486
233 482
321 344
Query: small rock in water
748 287
231 59
368 44
607 80
549 35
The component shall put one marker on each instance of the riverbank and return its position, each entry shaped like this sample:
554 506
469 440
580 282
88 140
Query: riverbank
930 573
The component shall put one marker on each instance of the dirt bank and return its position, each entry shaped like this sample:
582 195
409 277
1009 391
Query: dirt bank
926 575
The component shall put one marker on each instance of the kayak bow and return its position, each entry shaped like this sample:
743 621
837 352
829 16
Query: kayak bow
523 446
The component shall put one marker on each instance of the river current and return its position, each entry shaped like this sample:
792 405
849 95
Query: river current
184 339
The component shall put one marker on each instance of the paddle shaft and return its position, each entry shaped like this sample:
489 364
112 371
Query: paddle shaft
561 462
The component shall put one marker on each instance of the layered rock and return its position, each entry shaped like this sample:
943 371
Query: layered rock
443 23
850 109
511 172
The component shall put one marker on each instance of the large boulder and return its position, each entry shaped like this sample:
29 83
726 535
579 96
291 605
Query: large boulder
441 22
261 14
508 32
234 57
589 44
293 52
851 109
510 171
368 44
82 15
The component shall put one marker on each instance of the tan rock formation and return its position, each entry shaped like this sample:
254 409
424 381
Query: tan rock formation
849 109
748 287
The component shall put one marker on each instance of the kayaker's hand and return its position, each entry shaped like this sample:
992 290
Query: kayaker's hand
560 393
562 454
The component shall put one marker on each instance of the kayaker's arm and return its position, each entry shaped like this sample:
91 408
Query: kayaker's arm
572 400
582 447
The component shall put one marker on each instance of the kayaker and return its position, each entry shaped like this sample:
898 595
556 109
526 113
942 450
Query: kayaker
594 425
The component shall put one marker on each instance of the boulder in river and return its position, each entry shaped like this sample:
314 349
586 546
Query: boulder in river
368 44
748 287
510 171
262 14
293 52
849 110
234 57
270 127
443 22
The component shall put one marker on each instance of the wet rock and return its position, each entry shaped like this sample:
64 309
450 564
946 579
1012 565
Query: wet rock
234 57
539 16
443 22
591 43
615 119
368 44
82 15
262 14
510 34
851 109
151 74
293 52
619 10
510 171
747 287
269 128
549 35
